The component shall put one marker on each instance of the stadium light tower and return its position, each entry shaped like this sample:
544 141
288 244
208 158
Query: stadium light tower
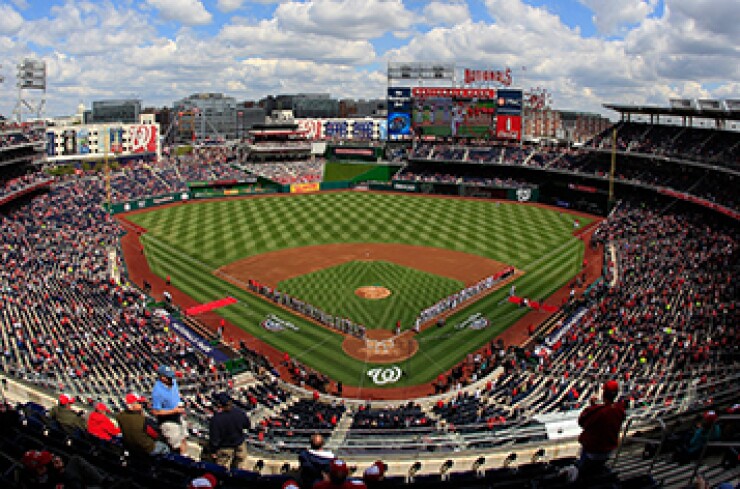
31 76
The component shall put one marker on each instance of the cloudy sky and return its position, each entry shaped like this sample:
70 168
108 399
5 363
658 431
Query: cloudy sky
586 52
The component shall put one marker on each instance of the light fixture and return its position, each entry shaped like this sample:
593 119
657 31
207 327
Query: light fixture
509 459
415 467
538 455
479 462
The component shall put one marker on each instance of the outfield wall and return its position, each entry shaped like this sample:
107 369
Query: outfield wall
523 194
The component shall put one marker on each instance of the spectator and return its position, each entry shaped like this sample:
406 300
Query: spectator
601 424
40 469
227 432
205 481
706 430
100 425
139 434
374 473
62 413
314 462
166 407
337 477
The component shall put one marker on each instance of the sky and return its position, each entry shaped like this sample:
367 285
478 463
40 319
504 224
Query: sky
584 52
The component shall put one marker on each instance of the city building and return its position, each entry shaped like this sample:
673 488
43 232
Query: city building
206 116
563 125
117 110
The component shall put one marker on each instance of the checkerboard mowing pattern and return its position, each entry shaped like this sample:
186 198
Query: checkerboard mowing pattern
188 242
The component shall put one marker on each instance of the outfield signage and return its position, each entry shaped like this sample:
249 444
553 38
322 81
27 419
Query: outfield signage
304 188
406 187
133 205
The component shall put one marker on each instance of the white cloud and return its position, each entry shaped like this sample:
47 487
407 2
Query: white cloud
445 13
10 20
267 39
613 16
229 5
188 12
347 19
106 49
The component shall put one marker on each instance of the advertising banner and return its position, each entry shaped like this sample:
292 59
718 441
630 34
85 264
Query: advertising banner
69 139
509 102
51 148
336 129
83 141
509 127
452 92
116 140
354 151
314 128
143 138
362 130
383 129
304 188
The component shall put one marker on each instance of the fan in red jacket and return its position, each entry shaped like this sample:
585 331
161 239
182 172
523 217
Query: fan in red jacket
100 425
601 424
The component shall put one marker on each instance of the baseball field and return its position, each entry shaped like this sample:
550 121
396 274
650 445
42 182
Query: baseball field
329 249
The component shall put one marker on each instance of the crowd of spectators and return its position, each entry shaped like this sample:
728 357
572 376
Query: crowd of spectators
289 172
420 174
18 184
639 144
68 327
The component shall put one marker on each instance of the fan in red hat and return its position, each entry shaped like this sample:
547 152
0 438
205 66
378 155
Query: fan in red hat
205 481
707 429
100 425
338 477
601 423
69 419
376 472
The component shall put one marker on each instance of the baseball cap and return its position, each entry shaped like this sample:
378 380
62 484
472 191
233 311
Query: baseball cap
710 416
34 459
221 399
165 371
132 398
101 407
291 484
338 469
205 481
611 386
64 399
375 472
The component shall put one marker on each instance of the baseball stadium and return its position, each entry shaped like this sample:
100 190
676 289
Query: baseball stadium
431 297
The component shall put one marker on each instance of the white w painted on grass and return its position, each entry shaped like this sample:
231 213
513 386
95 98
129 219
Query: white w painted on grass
388 375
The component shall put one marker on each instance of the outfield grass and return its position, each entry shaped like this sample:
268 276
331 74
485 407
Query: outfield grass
333 290
341 172
189 241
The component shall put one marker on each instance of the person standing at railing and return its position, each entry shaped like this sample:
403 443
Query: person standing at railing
601 425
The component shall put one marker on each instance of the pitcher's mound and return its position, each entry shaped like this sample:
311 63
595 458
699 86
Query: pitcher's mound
372 292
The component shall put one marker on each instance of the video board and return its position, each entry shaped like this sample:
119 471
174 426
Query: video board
454 112
399 113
